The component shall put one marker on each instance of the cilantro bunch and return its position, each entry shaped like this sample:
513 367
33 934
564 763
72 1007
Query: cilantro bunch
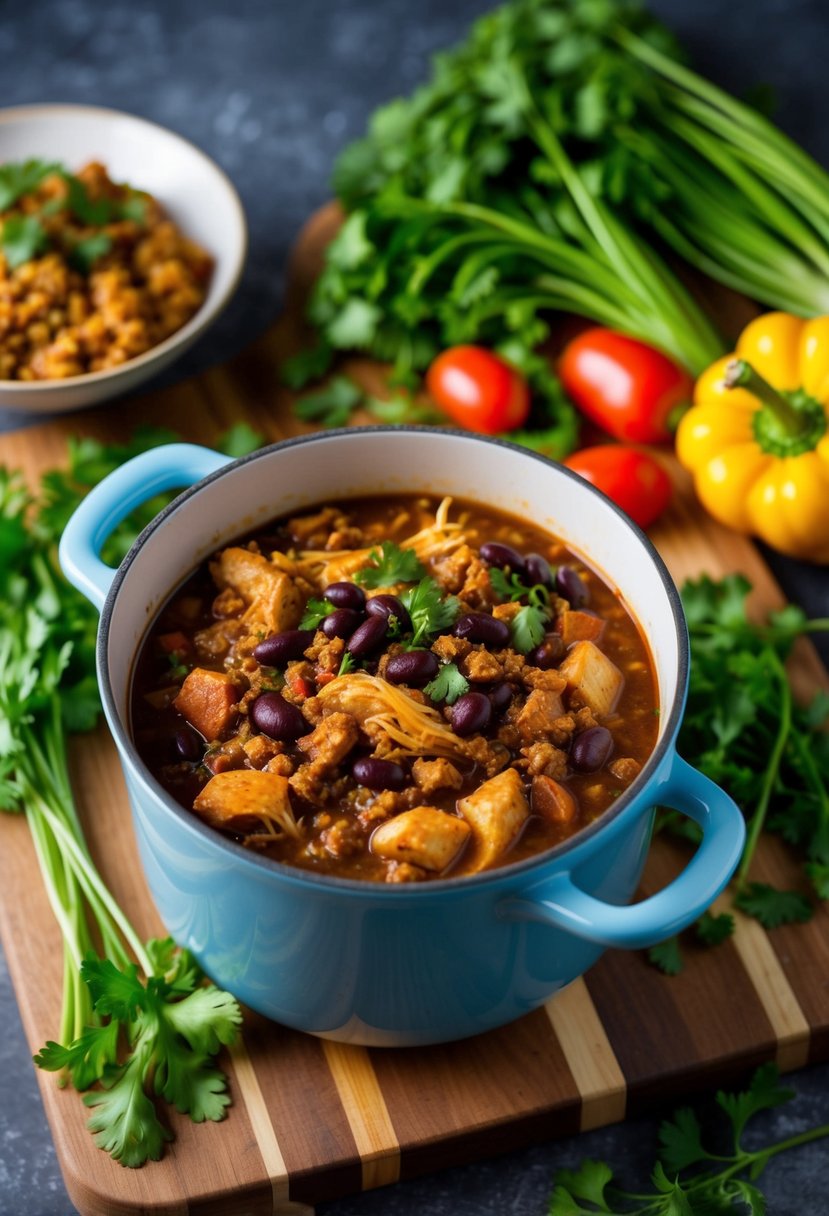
136 1017
744 729
720 1183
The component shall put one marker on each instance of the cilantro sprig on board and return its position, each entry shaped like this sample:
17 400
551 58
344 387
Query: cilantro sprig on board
689 1178
744 729
138 1022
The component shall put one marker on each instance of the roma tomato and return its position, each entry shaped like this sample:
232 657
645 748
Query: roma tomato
628 388
478 390
633 479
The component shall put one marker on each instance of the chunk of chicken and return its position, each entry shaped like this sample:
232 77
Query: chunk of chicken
273 602
207 699
330 742
496 812
423 836
593 676
431 775
246 800
539 715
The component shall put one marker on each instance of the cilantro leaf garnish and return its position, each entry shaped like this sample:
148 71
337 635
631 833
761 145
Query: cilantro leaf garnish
240 440
19 178
22 238
429 608
316 610
772 907
508 587
85 253
689 1177
93 212
713 930
332 405
347 664
528 626
667 956
447 685
390 565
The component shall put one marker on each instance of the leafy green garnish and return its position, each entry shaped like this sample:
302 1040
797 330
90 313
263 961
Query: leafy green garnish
85 253
390 565
667 956
713 930
348 663
528 626
772 907
306 366
332 405
316 610
508 587
431 611
23 237
19 178
240 440
447 685
137 1022
719 1182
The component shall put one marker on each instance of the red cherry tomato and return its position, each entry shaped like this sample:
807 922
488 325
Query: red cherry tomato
628 388
478 390
633 479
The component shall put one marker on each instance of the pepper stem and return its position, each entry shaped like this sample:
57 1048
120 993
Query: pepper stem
740 374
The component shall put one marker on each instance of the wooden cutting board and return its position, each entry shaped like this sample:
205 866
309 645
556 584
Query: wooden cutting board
313 1120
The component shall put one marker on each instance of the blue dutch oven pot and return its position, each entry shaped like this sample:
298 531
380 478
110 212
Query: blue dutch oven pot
376 963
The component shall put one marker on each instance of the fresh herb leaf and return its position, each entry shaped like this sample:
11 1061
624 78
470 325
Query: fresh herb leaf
688 1179
133 208
508 587
713 930
316 610
23 237
430 610
19 178
348 663
240 440
528 626
332 405
92 212
85 253
667 956
390 565
447 685
772 907
306 365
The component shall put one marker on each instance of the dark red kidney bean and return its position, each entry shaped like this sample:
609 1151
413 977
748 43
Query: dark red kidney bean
591 749
278 718
548 653
500 696
496 554
572 587
416 667
368 637
346 595
378 774
538 570
187 744
340 623
471 713
280 648
386 606
481 627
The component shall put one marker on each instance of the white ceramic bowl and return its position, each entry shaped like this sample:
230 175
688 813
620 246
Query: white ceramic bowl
192 189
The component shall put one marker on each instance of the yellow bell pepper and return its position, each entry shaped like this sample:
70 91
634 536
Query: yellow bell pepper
757 436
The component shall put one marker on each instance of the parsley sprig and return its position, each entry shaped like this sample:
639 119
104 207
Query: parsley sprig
137 1019
688 1177
528 626
744 729
430 609
389 565
316 610
448 684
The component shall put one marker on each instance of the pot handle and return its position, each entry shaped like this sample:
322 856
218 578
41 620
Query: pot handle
173 466
561 903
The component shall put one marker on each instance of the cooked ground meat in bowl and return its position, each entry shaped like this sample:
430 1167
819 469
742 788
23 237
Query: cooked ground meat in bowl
119 244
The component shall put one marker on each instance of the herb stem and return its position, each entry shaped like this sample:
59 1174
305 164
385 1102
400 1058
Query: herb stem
758 819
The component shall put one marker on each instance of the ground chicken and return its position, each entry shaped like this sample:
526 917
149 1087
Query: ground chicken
440 774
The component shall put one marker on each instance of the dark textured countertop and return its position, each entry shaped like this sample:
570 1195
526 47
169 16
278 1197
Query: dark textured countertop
272 90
